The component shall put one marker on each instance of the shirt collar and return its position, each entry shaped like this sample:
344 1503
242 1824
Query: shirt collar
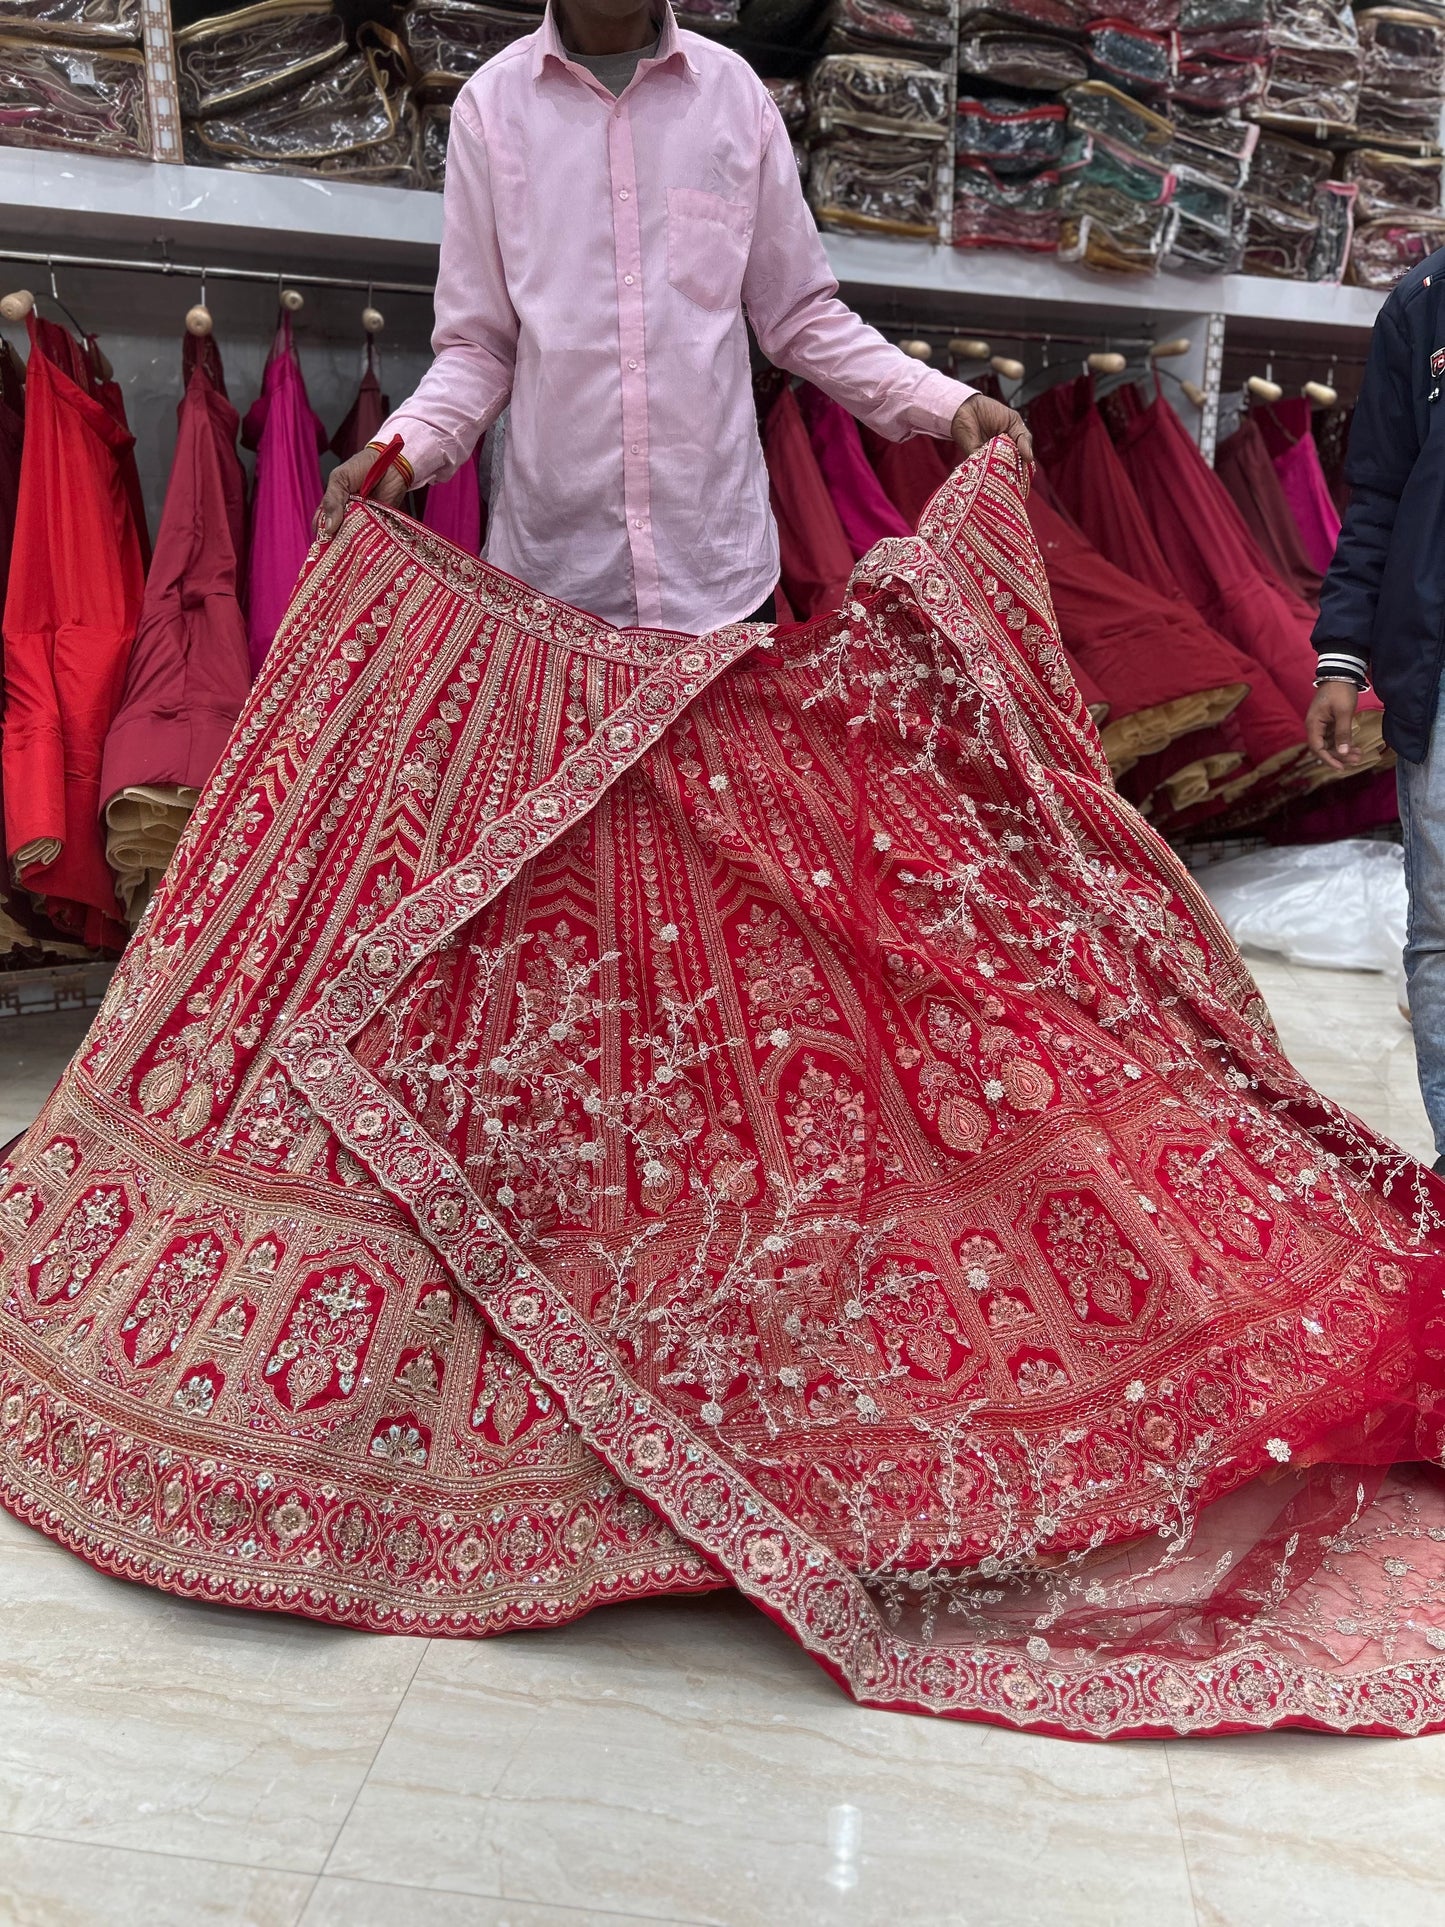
670 46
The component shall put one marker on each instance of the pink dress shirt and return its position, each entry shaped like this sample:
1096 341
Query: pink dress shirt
597 258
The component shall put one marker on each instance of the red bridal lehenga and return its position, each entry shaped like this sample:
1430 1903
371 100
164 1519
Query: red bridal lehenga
595 1114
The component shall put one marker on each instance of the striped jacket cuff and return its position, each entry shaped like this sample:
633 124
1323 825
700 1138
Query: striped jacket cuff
1342 665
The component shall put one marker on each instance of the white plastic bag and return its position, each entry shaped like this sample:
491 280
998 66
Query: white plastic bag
1336 906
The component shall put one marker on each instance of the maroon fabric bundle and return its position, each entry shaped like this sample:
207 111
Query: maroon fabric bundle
865 511
1243 464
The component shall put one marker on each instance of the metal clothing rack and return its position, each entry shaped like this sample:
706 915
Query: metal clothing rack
188 272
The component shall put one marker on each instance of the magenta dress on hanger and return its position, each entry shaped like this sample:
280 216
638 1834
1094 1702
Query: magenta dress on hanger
288 440
1296 457
454 508
864 510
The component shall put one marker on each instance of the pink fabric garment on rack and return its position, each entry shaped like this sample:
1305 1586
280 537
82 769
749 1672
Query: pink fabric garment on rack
288 440
864 510
1287 430
454 508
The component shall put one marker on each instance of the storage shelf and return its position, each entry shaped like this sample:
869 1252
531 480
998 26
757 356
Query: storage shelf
293 221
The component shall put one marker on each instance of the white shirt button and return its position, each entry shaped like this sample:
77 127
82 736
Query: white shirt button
638 525
622 193
636 448
628 279
632 364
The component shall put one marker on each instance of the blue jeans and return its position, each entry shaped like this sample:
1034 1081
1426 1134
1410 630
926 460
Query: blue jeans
1422 816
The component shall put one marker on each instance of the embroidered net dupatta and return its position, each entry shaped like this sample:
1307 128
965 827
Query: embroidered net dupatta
599 1113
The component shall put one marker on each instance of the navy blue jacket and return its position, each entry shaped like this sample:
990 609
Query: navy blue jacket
1384 596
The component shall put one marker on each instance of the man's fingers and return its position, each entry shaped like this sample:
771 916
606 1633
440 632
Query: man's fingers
1023 441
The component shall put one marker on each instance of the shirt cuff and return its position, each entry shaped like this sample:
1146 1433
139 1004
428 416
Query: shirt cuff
422 447
1342 665
408 473
935 402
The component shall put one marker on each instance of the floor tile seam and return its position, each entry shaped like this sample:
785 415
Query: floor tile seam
86 1842
590 1911
1199 1920
362 1783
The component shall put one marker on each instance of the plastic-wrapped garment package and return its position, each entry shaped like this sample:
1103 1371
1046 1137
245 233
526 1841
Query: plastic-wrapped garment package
1313 84
1219 145
883 26
451 39
1132 57
235 59
1122 170
1392 183
350 109
1007 135
1008 212
394 162
851 93
1287 173
1404 74
1216 74
708 16
1061 16
1335 214
1330 906
116 21
875 183
1115 235
1149 16
436 127
84 96
1004 56
1209 238
1384 250
1278 242
1206 16
1102 110
790 97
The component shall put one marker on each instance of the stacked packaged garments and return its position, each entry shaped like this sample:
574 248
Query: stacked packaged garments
876 133
1223 55
1404 75
72 74
908 29
1299 220
1210 156
1010 136
448 41
1118 211
275 88
1316 63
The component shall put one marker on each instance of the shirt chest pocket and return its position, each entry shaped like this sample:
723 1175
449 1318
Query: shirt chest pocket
707 246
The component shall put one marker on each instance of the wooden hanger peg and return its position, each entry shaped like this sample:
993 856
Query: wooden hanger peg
1109 363
1321 392
1263 389
1004 365
1193 392
968 348
1170 350
15 307
198 319
292 300
920 350
373 320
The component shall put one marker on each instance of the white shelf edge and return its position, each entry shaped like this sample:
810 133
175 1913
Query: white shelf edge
274 216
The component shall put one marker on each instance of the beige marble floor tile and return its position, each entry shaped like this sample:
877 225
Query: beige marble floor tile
686 1760
55 1883
16 1536
128 1718
1308 1830
363 1903
33 1053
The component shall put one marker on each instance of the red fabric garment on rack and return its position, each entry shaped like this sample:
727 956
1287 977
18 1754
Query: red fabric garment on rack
366 413
1076 451
71 609
104 384
1242 462
454 509
1288 432
864 510
911 472
1207 546
815 557
288 440
651 1111
190 671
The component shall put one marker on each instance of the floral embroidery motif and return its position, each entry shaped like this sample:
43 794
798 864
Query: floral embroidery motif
86 1236
1100 1270
324 1341
167 1304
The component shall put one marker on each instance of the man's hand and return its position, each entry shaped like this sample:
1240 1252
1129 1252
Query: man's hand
980 418
1329 723
346 480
